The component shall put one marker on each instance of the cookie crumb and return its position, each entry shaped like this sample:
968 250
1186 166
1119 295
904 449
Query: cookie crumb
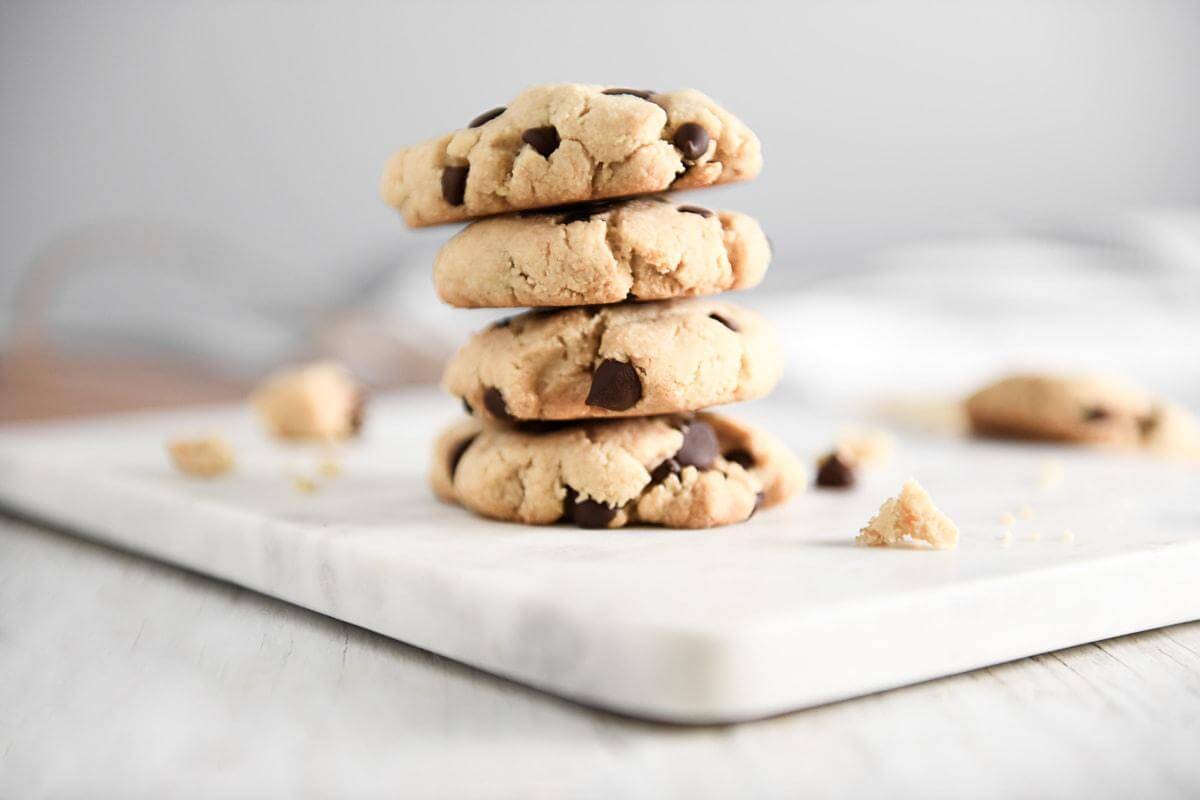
912 515
206 456
1068 536
1034 536
304 484
1007 519
864 447
329 467
834 473
1005 539
320 401
1050 474
1026 512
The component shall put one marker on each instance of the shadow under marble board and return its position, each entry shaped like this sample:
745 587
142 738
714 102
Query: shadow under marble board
780 613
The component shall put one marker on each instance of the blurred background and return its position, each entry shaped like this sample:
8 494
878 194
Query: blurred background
189 190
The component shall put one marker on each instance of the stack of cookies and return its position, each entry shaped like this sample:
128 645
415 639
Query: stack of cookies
588 409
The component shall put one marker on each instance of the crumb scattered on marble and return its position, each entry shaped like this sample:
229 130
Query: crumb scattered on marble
864 447
1034 536
910 515
206 456
1026 512
319 401
1050 473
1068 536
1008 519
329 467
1006 539
304 484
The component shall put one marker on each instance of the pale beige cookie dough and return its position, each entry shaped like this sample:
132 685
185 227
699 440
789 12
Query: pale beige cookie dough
910 515
570 143
1083 410
630 359
676 470
645 249
204 456
321 400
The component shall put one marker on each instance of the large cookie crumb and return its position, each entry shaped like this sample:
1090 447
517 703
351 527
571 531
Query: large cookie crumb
201 456
321 400
911 515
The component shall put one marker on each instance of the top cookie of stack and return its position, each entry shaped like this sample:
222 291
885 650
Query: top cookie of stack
570 143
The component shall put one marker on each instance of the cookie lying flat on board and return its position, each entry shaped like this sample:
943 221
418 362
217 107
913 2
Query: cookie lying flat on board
645 249
1082 410
676 470
630 359
570 143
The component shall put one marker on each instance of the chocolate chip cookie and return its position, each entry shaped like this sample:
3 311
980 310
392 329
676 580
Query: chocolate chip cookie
1085 410
628 359
570 143
677 470
605 252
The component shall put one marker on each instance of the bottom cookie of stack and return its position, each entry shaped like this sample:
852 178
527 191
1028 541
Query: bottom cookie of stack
678 471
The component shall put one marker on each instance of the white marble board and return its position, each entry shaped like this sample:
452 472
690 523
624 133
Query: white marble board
777 614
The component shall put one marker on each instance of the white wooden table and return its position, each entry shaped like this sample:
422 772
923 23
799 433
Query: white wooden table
121 676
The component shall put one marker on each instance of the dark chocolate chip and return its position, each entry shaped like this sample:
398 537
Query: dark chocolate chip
691 139
615 386
726 321
585 211
699 447
833 473
467 408
493 401
454 185
1095 414
740 456
544 140
586 513
538 426
645 94
630 297
758 501
1147 424
704 212
664 470
486 116
457 453
358 412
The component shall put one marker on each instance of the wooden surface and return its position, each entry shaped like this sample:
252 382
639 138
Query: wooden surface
122 676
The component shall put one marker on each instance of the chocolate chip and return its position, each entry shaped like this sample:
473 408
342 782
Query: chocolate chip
467 408
704 212
642 93
586 513
1095 414
630 297
740 456
1147 424
833 473
454 185
699 447
758 501
544 140
486 116
539 426
457 453
493 401
664 470
692 140
585 211
358 412
726 321
615 386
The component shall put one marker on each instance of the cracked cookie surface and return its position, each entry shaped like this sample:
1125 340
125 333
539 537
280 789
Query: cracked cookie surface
678 471
570 143
629 359
644 249
1083 410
